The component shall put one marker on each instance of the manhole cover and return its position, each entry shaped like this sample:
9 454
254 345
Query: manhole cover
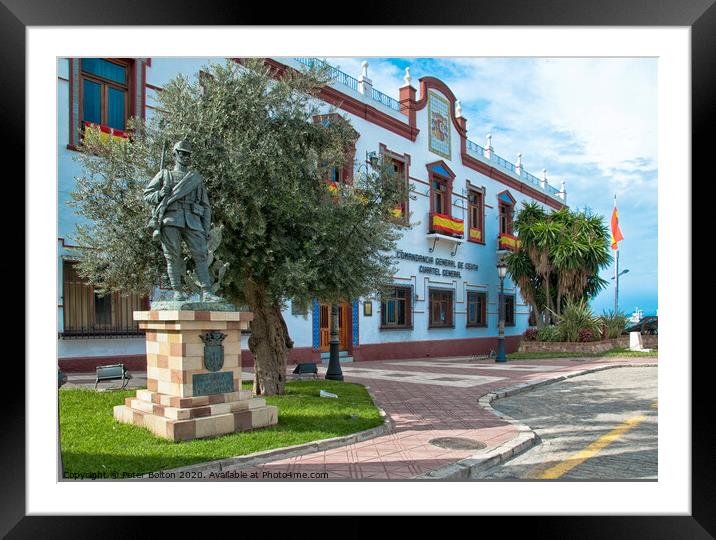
457 443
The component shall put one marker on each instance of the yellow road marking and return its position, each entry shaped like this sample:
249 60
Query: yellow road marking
591 450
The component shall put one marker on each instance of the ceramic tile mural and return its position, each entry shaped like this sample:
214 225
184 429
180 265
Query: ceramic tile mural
439 117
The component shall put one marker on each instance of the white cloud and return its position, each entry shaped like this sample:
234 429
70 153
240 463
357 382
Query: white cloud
559 113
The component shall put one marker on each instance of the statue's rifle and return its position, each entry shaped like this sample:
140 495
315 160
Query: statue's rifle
161 208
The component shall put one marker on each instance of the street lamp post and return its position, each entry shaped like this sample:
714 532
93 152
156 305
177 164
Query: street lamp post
501 272
334 372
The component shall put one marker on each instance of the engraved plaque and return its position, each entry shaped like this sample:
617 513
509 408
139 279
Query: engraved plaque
206 384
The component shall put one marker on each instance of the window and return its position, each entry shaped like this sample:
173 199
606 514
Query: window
395 308
476 308
104 90
509 307
87 314
341 173
505 218
439 196
506 208
401 211
400 164
441 179
441 311
475 215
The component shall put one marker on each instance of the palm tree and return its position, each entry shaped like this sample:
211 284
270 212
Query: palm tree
560 256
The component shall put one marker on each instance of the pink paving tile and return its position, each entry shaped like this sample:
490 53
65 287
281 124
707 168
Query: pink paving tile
419 414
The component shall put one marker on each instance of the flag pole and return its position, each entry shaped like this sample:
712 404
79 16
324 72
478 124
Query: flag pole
616 272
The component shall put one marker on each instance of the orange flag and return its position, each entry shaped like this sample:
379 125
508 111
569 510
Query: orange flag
617 235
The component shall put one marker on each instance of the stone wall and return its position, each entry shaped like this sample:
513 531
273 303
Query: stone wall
649 342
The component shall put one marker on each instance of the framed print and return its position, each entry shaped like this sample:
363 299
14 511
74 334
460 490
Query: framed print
412 367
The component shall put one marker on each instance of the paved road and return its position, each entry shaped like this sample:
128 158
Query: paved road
601 426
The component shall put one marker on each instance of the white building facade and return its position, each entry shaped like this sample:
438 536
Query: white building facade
463 199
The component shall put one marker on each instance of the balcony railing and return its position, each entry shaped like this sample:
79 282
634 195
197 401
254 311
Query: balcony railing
502 162
476 150
340 77
106 132
508 242
443 224
334 73
106 332
385 100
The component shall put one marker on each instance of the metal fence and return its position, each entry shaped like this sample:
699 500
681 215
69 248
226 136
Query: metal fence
334 73
386 100
504 163
343 78
477 150
531 178
87 314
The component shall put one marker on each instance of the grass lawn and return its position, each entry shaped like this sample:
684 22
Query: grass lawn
623 352
92 441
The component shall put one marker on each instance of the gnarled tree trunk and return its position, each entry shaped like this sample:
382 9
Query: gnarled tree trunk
269 343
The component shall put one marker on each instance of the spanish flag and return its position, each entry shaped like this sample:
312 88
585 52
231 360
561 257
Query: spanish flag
617 235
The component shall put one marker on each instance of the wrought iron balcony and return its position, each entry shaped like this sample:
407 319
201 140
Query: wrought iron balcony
508 242
106 132
447 225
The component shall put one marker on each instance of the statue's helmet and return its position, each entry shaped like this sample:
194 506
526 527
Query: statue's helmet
182 146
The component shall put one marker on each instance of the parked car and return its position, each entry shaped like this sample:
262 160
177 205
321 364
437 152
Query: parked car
648 325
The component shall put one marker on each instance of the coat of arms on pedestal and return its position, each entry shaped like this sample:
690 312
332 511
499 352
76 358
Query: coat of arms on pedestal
213 350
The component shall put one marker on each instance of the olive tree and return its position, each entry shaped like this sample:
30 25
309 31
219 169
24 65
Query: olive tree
287 233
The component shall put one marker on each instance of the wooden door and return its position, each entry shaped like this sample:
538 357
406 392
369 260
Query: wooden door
324 318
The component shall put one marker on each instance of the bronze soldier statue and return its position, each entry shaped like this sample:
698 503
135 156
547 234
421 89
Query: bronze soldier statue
181 213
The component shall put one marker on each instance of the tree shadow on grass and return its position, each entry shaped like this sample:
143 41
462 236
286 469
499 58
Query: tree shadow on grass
95 443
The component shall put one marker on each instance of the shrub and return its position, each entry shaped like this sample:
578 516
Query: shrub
577 316
548 333
585 335
613 324
530 334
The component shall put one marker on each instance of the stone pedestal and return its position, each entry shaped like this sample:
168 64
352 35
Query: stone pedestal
191 393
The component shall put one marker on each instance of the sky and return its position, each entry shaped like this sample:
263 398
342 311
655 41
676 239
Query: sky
591 122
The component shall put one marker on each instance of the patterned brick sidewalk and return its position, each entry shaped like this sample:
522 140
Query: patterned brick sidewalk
426 399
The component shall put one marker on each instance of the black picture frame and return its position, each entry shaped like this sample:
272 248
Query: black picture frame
367 308
699 15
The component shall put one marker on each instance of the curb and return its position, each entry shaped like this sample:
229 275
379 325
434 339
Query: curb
470 468
257 458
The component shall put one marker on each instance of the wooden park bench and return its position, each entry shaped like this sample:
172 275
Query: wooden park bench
114 372
306 369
